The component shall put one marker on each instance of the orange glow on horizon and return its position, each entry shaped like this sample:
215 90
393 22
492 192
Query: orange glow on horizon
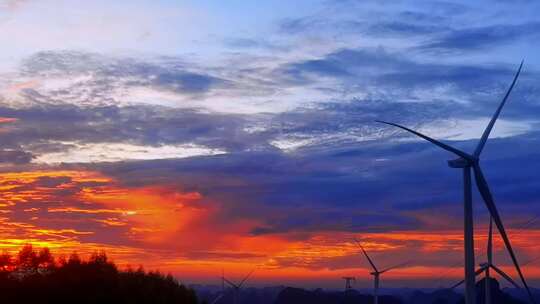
184 233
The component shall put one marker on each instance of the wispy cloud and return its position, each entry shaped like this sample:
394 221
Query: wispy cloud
479 38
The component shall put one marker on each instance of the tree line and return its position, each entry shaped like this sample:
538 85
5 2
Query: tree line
36 276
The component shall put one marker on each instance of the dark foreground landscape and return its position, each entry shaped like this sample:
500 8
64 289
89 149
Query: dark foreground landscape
289 295
33 276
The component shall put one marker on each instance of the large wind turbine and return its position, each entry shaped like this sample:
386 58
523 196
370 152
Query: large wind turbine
486 267
376 273
467 161
236 287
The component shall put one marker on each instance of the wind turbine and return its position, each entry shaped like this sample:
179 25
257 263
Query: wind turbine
486 267
376 273
467 161
222 293
236 287
218 298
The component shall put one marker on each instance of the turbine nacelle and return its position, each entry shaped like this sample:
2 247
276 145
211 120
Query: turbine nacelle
459 163
463 162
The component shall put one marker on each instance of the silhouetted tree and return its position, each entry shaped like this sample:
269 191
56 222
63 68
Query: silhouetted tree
6 261
27 260
35 277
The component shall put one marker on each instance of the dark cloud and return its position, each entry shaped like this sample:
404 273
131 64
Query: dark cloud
312 221
109 72
478 38
15 157
252 43
243 43
43 129
355 18
301 25
52 182
357 69
441 27
371 186
397 28
287 193
344 63
420 17
330 127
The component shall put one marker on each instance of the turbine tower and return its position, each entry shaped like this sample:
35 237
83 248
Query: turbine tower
376 273
236 287
486 267
467 161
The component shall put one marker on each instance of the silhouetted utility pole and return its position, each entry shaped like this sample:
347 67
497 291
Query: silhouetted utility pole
348 281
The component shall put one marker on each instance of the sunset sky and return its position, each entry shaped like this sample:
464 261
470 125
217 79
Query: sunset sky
196 136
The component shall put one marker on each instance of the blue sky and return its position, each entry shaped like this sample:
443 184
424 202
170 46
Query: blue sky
266 110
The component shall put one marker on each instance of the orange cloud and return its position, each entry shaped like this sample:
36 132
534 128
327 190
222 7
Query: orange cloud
8 119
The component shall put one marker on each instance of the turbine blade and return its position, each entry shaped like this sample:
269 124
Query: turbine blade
488 199
230 283
431 140
489 127
395 266
530 222
457 284
247 277
505 276
367 256
217 299
477 273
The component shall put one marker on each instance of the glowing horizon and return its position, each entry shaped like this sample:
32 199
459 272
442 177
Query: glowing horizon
136 226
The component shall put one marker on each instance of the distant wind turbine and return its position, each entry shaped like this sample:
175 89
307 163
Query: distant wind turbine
376 273
486 267
466 162
236 287
218 298
222 293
